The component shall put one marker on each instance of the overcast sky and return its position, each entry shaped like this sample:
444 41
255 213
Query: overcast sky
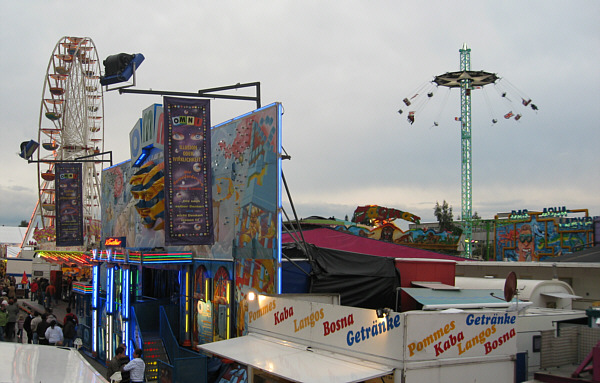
341 70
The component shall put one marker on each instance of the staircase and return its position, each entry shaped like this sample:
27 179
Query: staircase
154 350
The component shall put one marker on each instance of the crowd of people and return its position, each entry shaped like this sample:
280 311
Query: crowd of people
17 325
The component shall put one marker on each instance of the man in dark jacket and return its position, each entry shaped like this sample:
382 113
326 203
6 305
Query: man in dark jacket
69 332
115 364
41 330
27 328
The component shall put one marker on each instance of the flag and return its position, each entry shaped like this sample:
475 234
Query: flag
24 280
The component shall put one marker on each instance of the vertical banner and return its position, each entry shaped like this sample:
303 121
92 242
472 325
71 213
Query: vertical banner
188 197
69 208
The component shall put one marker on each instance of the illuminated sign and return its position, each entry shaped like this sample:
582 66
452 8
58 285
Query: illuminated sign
519 214
115 242
555 212
152 132
135 140
577 223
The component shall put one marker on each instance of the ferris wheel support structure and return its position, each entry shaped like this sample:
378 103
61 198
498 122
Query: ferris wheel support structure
71 129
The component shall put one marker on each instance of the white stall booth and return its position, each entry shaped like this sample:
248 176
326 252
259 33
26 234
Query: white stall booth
299 341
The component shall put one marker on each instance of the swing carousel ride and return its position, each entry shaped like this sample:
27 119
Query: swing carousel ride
71 126
517 103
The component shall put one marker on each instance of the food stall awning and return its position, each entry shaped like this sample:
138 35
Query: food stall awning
62 257
294 361
434 285
471 298
561 295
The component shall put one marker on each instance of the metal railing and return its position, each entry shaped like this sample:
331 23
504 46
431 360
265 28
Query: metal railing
186 365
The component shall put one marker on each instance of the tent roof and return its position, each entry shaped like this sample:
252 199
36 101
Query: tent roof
337 240
12 235
587 255
295 361
472 298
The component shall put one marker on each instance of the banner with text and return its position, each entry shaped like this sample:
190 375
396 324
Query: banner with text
188 200
69 208
457 335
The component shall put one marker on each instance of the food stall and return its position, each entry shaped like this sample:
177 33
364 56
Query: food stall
292 340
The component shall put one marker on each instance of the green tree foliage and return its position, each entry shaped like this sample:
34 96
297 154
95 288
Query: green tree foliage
23 224
444 216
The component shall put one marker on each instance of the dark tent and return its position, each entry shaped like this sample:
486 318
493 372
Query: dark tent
361 280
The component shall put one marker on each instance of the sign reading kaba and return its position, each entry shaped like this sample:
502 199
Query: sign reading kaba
147 133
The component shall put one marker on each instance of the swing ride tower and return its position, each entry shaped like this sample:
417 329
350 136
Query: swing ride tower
466 80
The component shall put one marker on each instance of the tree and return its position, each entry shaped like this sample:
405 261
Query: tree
476 216
24 224
444 216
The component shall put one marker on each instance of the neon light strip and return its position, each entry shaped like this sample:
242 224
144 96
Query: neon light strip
109 338
187 302
228 325
95 288
279 203
110 293
83 288
125 295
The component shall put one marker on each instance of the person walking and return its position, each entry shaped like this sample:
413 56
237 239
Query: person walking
136 367
41 330
54 334
71 316
27 328
13 312
37 319
50 293
3 319
20 324
12 292
69 332
33 288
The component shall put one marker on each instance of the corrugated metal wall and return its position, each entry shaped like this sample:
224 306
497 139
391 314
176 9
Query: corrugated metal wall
571 347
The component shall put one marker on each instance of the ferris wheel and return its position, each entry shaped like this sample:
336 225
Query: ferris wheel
71 126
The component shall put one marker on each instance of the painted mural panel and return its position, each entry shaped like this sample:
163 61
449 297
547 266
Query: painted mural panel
535 236
126 212
257 275
246 172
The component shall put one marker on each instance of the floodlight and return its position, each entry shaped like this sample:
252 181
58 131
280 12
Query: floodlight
120 67
27 149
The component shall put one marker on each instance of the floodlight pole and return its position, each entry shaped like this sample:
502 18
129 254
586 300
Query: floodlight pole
77 159
205 93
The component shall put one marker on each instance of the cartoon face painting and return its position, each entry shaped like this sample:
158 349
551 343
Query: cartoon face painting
526 244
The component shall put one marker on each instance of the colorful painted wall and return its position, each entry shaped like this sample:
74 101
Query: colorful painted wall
535 236
246 194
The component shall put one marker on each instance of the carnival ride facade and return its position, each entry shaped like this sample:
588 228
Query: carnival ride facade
467 81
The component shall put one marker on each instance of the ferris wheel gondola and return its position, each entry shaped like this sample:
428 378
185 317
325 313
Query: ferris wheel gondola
71 126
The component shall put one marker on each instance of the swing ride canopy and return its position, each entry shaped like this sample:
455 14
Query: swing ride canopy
476 78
